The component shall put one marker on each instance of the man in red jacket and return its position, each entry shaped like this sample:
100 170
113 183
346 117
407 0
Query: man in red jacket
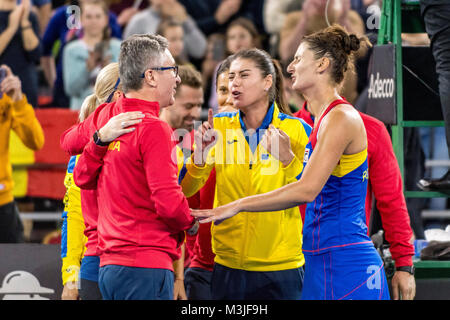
385 183
142 210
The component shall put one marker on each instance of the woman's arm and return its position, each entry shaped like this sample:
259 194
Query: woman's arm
336 134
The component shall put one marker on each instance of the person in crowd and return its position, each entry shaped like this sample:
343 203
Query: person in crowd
20 45
213 16
125 10
147 21
435 14
143 257
79 229
341 260
257 256
314 17
173 31
18 115
63 27
43 9
198 276
85 57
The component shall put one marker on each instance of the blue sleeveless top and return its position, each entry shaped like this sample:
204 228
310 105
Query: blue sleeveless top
336 218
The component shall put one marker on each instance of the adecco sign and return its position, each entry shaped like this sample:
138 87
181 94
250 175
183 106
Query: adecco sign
30 272
381 102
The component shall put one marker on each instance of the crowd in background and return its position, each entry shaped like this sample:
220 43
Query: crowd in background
57 48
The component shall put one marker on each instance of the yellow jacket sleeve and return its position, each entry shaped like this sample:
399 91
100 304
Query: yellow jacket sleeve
195 177
26 125
73 239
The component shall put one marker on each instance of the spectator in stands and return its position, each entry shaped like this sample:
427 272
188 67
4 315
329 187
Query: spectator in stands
19 44
43 10
54 40
173 31
85 57
18 115
275 12
147 21
312 18
126 9
213 16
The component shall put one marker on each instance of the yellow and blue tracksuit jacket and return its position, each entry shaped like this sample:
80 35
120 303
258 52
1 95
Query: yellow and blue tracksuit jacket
269 241
73 239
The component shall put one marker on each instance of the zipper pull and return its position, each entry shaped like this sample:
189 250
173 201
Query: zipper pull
250 166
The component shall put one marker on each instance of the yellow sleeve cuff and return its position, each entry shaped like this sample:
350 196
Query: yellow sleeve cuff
293 169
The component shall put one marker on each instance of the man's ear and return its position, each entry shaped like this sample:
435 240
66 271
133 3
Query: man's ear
323 64
151 78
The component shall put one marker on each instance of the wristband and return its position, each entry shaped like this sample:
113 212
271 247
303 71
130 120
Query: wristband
193 230
409 269
98 141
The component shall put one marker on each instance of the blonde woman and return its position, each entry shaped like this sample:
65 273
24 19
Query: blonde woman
79 231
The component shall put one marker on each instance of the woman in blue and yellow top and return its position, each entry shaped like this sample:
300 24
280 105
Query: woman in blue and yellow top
341 261
257 256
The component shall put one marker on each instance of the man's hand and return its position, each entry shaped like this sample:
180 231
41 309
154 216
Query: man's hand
179 293
403 286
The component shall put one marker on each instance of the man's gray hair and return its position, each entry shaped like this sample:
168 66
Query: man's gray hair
138 53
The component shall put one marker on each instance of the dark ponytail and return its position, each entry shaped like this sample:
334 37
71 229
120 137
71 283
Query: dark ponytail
279 88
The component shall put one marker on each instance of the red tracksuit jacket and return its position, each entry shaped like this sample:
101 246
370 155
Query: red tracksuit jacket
385 183
142 210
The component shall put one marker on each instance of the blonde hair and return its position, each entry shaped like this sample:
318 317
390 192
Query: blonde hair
104 87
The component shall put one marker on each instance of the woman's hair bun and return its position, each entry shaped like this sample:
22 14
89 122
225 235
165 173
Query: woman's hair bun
354 43
350 43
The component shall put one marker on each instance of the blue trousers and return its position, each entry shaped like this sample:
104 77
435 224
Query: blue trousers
234 284
197 282
130 283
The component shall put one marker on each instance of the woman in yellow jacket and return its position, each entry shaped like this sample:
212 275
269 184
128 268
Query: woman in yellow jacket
18 115
256 149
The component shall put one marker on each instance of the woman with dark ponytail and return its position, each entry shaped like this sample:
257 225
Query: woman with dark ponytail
340 259
258 148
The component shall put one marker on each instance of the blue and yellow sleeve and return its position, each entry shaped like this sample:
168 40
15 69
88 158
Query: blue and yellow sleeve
73 239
